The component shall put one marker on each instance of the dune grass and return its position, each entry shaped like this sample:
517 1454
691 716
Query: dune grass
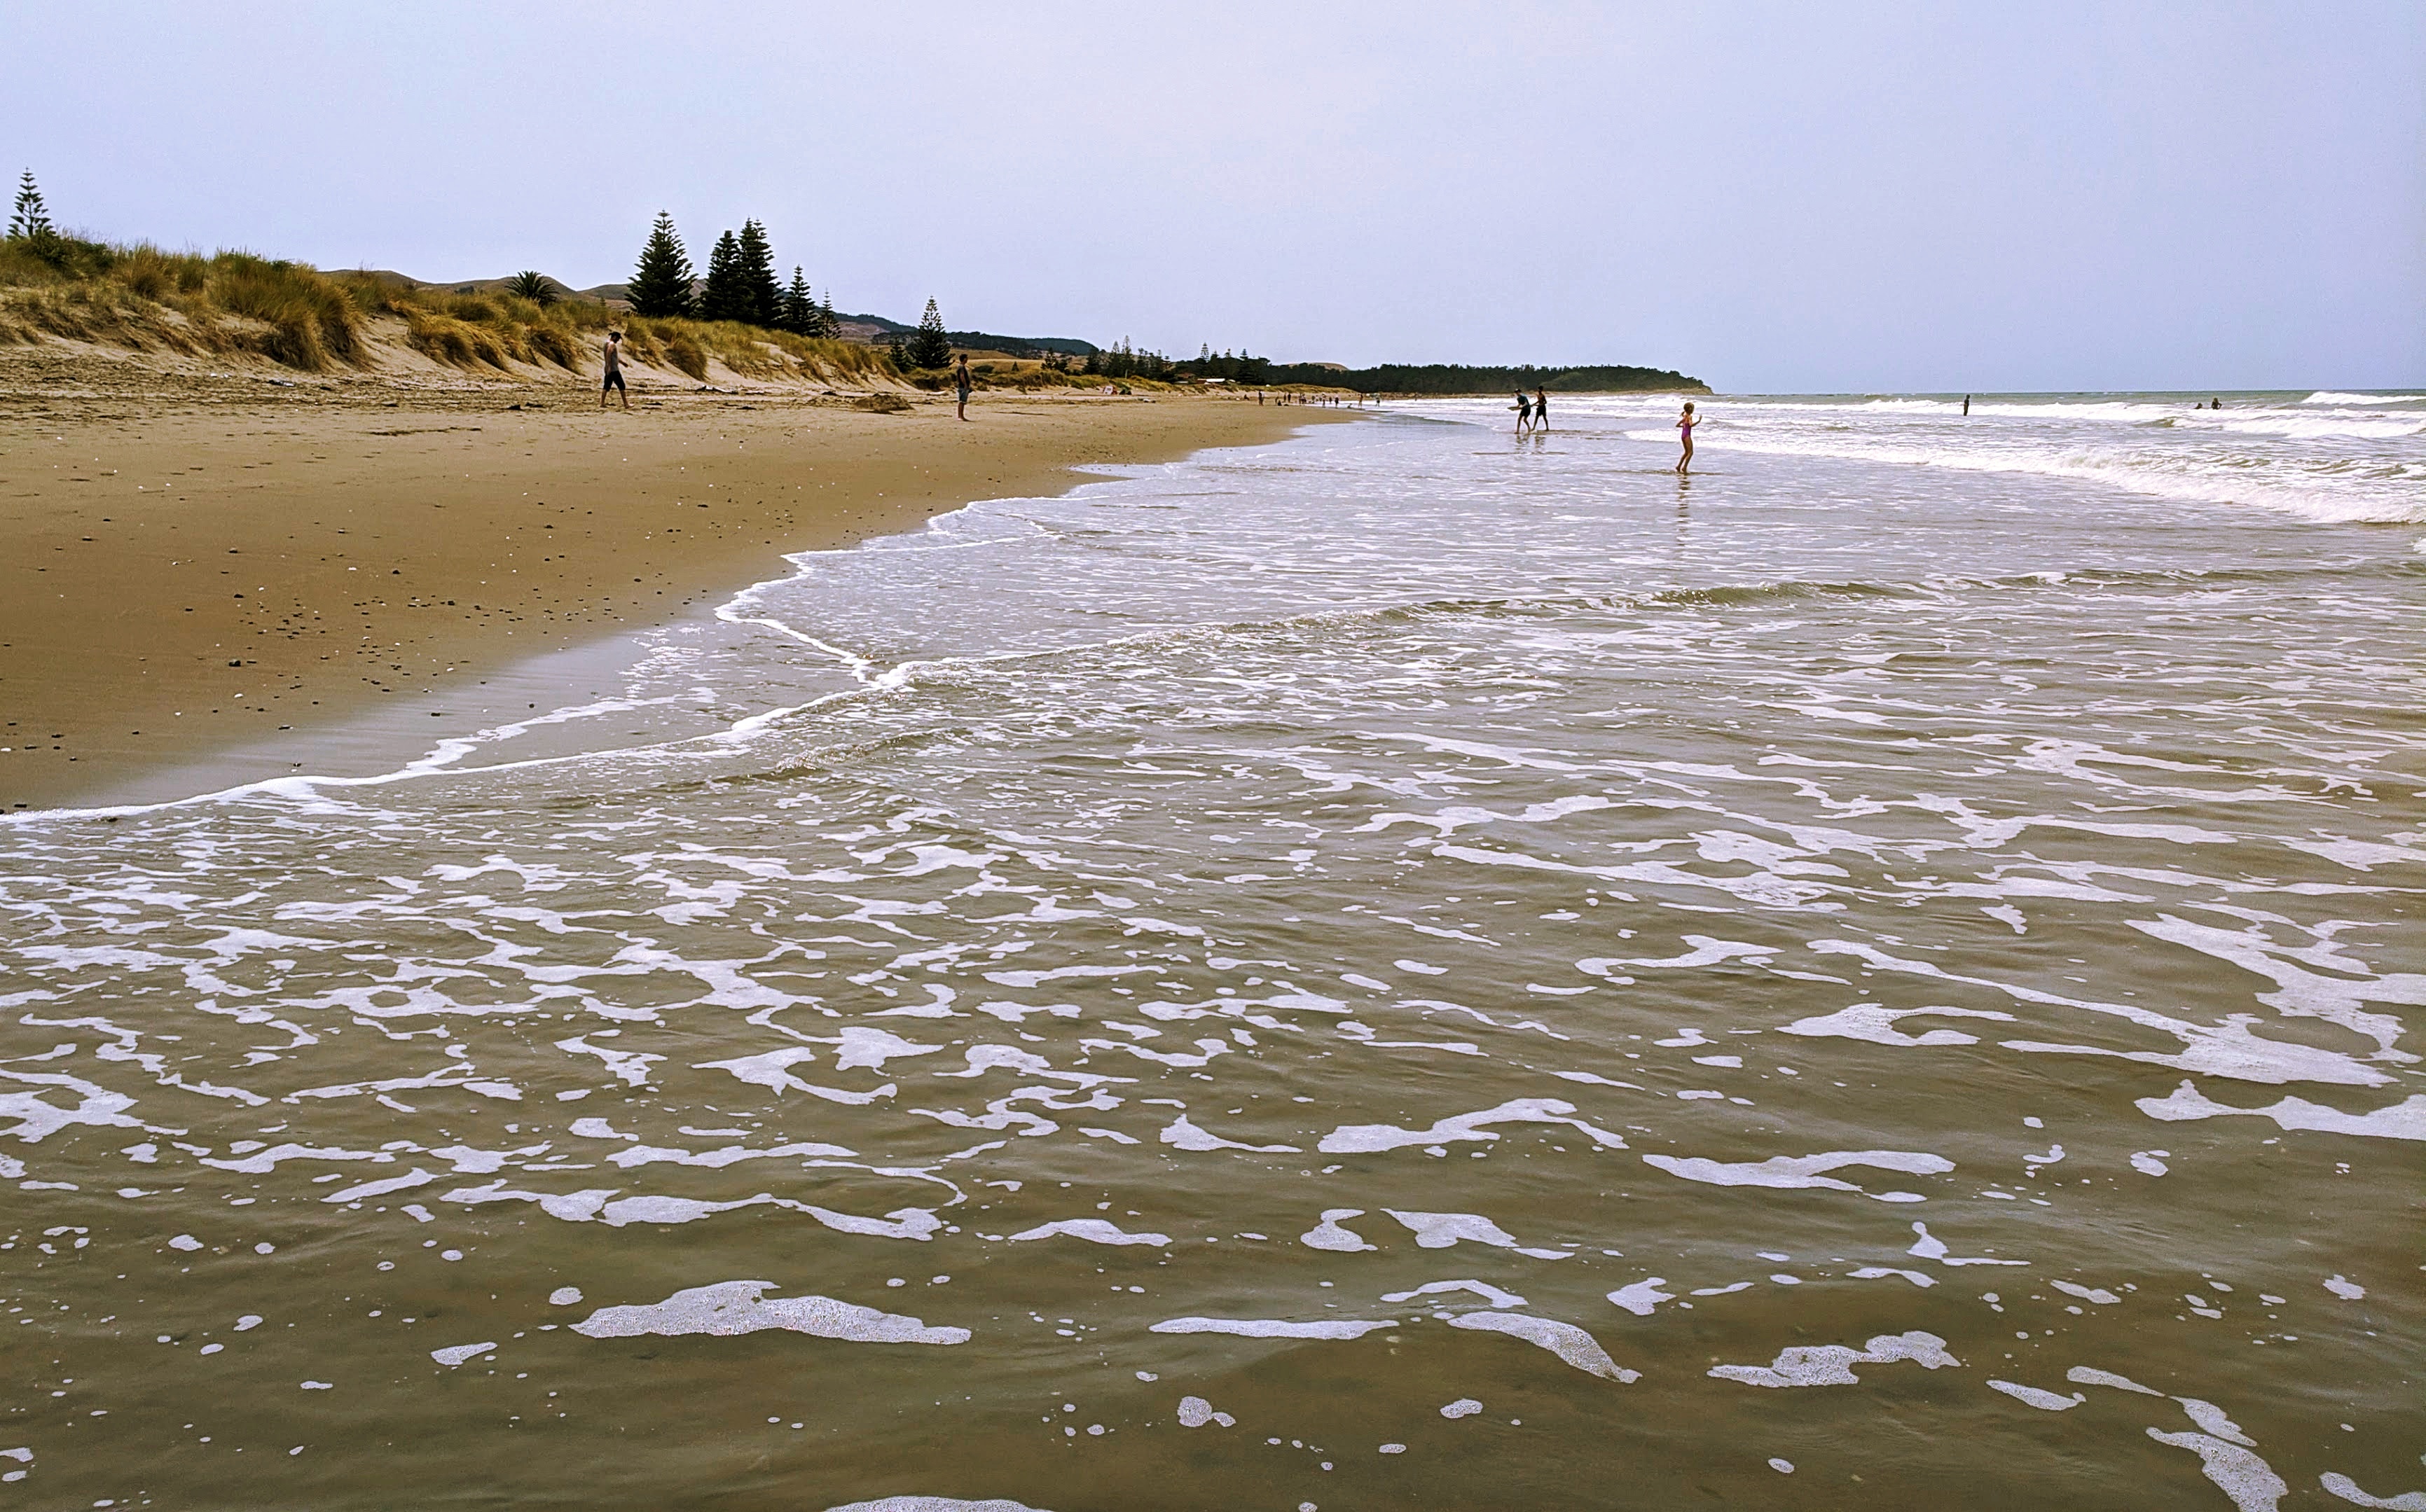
142 299
147 300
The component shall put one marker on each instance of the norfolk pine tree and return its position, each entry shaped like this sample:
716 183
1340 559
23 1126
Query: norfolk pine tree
31 221
765 299
726 296
661 284
799 313
929 347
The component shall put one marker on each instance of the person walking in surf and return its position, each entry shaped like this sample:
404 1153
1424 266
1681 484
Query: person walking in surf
1524 412
1685 424
1541 410
614 378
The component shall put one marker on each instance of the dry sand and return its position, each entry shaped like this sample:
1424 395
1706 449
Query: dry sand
194 566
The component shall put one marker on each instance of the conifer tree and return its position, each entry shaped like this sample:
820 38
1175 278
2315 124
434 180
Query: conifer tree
929 347
799 313
764 296
726 296
827 325
661 284
31 221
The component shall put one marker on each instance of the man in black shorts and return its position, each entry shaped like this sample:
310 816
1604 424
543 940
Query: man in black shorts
614 378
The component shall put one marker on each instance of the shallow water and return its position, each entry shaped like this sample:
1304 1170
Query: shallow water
1406 968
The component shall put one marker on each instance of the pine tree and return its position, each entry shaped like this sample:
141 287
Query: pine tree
828 326
725 298
800 312
32 220
765 299
929 347
661 284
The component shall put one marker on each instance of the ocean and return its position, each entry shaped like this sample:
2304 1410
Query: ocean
1412 967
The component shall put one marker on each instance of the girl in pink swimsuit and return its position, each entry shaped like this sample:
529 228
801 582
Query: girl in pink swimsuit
1685 424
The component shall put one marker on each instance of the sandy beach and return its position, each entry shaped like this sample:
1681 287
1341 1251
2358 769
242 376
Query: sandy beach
201 563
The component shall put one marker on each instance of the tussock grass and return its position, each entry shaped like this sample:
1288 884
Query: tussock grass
142 299
147 300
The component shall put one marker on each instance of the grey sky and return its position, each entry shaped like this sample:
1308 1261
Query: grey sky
1771 197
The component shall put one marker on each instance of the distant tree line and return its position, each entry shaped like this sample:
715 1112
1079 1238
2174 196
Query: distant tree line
1452 377
741 285
1120 360
1437 378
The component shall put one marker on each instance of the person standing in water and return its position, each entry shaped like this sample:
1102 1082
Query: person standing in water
1524 412
1967 404
1685 424
1541 410
614 378
961 385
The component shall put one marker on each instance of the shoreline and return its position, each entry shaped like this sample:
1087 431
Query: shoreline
206 579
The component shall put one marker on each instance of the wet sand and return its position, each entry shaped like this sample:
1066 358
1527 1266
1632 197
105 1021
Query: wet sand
198 565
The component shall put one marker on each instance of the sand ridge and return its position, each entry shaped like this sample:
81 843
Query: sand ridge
196 562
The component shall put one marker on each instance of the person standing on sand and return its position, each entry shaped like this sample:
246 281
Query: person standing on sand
961 384
1685 425
614 378
1541 410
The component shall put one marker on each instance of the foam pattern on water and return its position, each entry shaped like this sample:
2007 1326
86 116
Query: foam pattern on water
1771 919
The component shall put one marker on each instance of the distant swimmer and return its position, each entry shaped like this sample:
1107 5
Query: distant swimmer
1541 410
1524 412
1685 424
614 378
2215 404
1967 404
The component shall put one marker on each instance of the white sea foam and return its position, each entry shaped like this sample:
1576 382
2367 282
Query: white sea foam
1928 1247
1094 1231
1273 1328
2404 1119
2033 1396
1565 1340
1374 1137
2349 1490
1640 1298
2091 1376
460 1352
1491 1295
727 1307
2238 1472
1803 1171
1439 1231
1329 1235
1832 1364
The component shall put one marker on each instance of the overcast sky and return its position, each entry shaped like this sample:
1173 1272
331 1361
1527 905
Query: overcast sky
1787 196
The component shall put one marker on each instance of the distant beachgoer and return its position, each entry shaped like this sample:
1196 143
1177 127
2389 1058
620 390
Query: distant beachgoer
1541 410
1524 412
1967 404
2215 404
1685 425
961 385
614 378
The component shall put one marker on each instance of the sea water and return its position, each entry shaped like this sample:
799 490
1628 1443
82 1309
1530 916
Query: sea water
1413 967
